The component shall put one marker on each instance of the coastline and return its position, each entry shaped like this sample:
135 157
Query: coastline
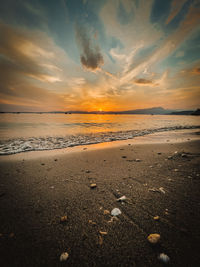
38 188
175 136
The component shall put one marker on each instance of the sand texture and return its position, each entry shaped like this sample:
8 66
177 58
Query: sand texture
48 207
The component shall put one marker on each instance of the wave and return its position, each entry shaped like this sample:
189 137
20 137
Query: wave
13 146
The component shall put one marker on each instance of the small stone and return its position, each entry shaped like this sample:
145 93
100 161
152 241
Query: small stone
176 170
63 219
92 186
116 212
91 222
106 212
42 164
138 160
87 171
103 233
64 256
164 258
170 157
176 152
153 238
156 218
124 157
55 160
159 153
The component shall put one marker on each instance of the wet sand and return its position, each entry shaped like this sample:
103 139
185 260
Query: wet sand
36 191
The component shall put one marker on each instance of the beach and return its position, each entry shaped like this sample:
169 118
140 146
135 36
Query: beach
159 175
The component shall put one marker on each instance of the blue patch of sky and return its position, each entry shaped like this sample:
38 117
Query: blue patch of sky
160 11
175 22
189 56
124 17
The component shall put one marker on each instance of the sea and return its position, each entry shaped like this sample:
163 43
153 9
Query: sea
33 131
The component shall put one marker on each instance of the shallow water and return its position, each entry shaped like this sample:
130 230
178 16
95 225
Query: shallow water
28 132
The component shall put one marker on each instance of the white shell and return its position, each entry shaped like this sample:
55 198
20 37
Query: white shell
164 258
122 198
64 256
116 212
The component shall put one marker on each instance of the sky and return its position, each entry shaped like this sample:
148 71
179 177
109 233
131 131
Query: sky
104 55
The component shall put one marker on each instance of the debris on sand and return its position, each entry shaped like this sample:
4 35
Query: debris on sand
138 160
153 238
91 222
156 218
183 155
100 240
87 171
63 219
162 190
159 190
116 212
176 170
92 186
123 198
103 232
106 212
159 153
55 159
170 157
164 258
64 256
124 157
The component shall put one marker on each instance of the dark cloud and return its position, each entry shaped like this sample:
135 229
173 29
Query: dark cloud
196 71
143 81
91 57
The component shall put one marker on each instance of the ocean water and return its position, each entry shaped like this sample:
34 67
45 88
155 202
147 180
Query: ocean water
29 132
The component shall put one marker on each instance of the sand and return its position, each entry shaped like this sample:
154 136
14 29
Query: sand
158 179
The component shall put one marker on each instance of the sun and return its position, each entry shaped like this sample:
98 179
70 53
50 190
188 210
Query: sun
100 110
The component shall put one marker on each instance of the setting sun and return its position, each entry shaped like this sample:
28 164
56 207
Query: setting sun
100 109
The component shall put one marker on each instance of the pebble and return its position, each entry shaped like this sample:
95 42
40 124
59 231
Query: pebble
87 171
176 170
105 212
153 238
64 256
170 157
92 186
156 218
91 222
138 160
63 219
116 212
124 157
164 258
159 153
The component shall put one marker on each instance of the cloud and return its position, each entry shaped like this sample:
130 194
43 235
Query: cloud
91 57
142 81
196 71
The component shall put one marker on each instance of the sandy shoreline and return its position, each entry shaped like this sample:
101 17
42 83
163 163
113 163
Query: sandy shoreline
38 188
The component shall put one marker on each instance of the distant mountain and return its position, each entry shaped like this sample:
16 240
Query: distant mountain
153 111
